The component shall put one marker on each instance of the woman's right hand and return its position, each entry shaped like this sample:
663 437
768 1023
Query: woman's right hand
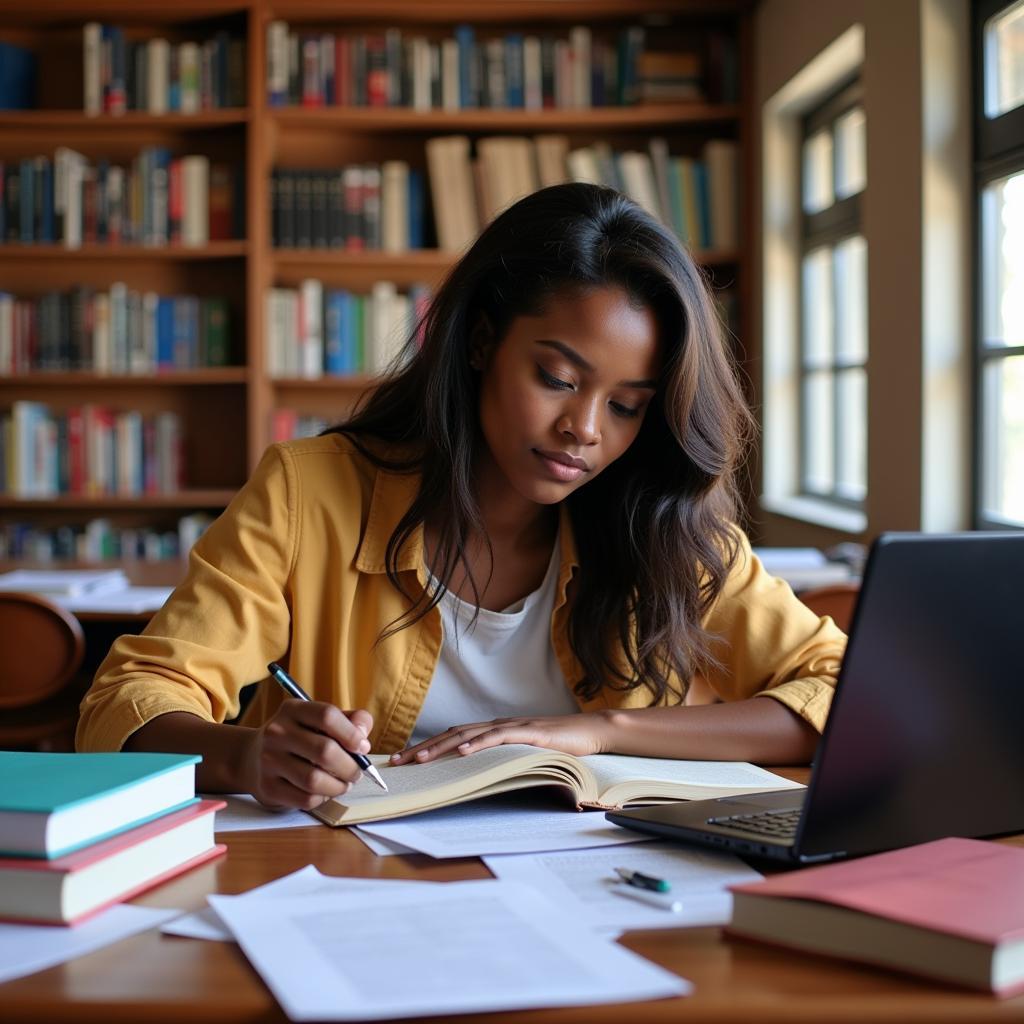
299 759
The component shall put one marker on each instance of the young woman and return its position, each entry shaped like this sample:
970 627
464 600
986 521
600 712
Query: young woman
527 534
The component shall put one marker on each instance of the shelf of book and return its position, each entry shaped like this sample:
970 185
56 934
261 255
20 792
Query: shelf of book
259 135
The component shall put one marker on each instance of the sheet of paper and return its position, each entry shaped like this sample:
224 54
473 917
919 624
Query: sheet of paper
27 948
457 947
510 823
130 600
381 847
581 882
206 924
244 812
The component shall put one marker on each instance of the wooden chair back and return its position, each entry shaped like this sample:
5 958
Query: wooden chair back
837 600
42 647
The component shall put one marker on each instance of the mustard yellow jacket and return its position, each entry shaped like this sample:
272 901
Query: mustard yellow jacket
294 571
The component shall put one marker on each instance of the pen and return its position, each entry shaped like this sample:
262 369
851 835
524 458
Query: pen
642 881
654 899
293 688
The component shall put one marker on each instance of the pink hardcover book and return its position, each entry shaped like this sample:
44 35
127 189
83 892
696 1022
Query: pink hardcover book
967 889
72 888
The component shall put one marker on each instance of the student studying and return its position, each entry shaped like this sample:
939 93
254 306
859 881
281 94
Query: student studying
527 534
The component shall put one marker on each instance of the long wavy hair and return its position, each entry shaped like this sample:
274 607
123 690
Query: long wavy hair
655 531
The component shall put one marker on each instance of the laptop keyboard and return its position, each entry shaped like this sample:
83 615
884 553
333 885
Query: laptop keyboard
773 824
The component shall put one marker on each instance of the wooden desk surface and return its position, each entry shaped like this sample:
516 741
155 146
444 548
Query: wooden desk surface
168 980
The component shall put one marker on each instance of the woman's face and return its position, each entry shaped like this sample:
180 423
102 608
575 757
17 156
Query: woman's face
563 394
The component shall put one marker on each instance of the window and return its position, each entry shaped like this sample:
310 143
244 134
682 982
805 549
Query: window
999 182
833 320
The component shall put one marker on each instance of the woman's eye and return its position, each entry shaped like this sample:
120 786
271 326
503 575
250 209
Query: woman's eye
624 410
553 382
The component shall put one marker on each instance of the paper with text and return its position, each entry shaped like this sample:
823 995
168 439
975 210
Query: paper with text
582 883
458 947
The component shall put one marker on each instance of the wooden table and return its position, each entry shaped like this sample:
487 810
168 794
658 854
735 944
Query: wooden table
158 978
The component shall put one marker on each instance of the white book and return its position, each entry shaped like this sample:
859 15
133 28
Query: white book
580 45
102 359
6 333
311 340
69 173
420 73
64 582
552 152
158 71
92 90
638 179
195 189
381 347
582 165
449 74
277 61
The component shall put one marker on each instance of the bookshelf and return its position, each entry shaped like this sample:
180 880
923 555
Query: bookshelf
226 411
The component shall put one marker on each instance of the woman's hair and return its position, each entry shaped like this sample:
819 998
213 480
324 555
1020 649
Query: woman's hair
655 530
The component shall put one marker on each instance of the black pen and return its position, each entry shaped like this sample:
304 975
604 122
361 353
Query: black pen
293 688
642 881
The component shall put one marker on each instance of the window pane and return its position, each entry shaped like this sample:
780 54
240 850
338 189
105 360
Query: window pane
817 471
817 309
851 163
851 285
851 471
1004 61
818 193
1002 262
1002 439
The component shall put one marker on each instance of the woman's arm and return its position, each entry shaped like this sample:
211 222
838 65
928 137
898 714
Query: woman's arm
761 730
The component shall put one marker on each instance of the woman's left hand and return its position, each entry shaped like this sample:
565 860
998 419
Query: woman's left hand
585 733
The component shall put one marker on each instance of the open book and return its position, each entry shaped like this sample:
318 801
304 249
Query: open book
597 780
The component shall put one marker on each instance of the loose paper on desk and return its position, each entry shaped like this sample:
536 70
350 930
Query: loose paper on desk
581 883
245 813
510 823
457 947
129 601
27 948
206 924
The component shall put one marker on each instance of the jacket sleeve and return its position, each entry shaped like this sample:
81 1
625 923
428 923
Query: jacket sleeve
771 644
219 628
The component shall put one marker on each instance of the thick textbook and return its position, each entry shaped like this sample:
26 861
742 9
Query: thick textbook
597 780
73 887
51 804
951 909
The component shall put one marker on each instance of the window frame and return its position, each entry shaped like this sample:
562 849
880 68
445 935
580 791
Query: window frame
826 228
998 152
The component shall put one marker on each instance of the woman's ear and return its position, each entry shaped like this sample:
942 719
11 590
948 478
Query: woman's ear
481 343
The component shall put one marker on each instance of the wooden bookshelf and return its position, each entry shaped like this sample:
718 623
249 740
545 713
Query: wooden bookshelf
226 411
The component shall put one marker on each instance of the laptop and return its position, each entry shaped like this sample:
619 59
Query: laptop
926 733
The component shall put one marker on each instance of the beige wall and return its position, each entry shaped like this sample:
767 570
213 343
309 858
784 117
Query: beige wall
899 227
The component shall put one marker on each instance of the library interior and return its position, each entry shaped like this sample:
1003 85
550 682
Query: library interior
427 428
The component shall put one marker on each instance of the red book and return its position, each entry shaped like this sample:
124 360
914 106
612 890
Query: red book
952 909
342 71
74 887
220 199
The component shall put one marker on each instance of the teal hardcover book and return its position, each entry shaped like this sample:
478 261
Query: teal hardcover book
51 804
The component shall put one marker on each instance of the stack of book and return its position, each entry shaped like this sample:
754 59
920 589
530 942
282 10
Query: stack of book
80 832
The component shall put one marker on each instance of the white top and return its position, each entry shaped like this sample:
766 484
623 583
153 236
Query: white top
503 666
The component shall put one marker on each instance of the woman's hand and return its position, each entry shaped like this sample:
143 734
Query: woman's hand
298 758
586 733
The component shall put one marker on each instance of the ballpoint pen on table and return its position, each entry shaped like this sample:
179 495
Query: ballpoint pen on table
653 899
642 881
291 687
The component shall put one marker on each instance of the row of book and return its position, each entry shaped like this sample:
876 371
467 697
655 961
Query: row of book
81 832
100 540
695 197
159 199
113 331
510 70
88 450
158 76
312 331
361 206
289 424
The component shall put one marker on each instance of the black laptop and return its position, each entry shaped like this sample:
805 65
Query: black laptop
926 734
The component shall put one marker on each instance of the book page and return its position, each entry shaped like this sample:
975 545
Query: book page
460 947
413 787
728 776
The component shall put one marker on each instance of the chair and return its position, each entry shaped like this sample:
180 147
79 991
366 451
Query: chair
41 650
837 600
